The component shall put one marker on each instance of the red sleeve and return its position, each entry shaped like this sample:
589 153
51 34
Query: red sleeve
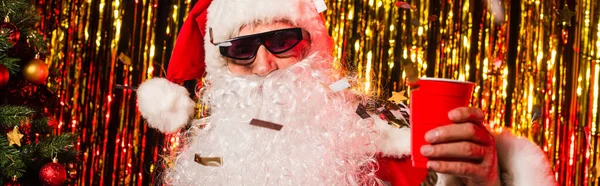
400 172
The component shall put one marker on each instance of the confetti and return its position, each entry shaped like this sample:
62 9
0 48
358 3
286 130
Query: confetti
266 124
498 63
124 59
321 6
398 97
168 162
208 161
432 18
339 85
361 110
536 113
405 5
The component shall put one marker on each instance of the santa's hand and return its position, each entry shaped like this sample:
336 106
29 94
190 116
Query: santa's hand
465 149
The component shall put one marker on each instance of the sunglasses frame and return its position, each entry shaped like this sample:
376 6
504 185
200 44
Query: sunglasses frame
224 44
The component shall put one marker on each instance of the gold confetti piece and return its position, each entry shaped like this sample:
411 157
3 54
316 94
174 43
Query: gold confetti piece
266 124
398 124
398 97
208 161
14 137
124 59
168 162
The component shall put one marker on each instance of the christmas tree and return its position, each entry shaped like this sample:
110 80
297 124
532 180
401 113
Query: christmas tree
32 150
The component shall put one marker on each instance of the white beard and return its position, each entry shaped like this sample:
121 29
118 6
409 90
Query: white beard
322 142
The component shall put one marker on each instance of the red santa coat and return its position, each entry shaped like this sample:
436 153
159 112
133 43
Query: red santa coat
399 171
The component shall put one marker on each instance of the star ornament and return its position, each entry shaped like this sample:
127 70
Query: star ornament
398 97
565 15
14 137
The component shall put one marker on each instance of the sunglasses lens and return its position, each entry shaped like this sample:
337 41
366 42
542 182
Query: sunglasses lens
241 49
283 41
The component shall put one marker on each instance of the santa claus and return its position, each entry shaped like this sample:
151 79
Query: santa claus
275 121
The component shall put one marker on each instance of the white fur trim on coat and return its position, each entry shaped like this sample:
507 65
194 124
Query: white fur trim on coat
392 142
521 162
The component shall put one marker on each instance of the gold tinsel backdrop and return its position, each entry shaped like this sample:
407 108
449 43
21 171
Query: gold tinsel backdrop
536 64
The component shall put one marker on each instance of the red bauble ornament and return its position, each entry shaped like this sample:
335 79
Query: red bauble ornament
36 71
53 174
3 75
13 34
52 123
12 183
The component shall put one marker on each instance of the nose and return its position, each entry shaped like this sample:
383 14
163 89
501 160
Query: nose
264 62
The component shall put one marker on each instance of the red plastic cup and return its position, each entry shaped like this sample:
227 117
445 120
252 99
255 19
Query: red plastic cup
429 107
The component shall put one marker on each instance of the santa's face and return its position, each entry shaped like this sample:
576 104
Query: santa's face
322 141
266 53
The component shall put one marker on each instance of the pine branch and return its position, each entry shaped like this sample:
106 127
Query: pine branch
4 44
36 40
32 153
56 144
17 161
24 16
11 163
11 116
12 64
69 156
41 126
28 153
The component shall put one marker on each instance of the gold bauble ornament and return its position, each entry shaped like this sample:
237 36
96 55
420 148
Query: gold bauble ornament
36 71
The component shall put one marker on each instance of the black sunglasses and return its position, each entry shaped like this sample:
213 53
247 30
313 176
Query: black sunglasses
246 47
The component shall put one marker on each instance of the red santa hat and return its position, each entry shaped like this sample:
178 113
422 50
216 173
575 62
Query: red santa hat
167 106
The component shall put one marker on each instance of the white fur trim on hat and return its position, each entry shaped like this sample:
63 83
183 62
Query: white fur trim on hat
226 17
166 106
